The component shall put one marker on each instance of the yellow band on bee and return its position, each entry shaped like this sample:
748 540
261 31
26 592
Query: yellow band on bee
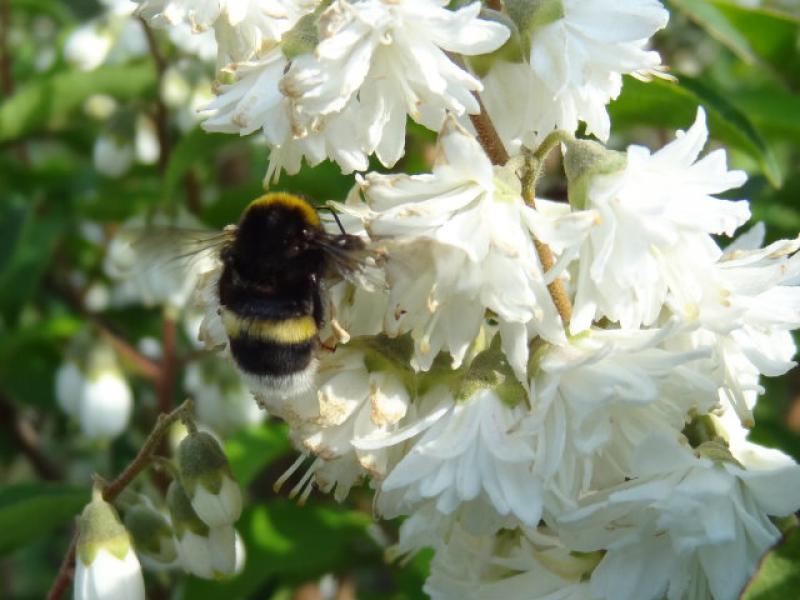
294 330
290 201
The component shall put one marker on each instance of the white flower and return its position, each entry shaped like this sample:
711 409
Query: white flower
106 403
576 67
392 56
595 398
686 526
255 102
242 27
207 480
211 555
207 552
221 399
746 303
108 576
112 157
508 565
69 387
657 215
460 241
88 46
473 449
105 563
348 406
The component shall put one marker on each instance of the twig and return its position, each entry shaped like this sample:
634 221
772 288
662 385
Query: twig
143 365
529 176
24 437
487 135
192 188
165 383
495 150
115 488
65 571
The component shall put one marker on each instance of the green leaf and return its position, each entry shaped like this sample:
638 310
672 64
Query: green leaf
778 575
29 235
674 105
31 510
714 21
771 35
775 111
293 543
250 450
51 104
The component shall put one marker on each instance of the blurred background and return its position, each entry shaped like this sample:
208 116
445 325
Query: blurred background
100 130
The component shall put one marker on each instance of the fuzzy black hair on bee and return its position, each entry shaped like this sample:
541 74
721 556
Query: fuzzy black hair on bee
270 288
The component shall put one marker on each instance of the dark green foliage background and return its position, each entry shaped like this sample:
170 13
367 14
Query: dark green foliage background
742 64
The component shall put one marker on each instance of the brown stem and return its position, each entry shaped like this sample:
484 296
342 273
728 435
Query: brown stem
115 488
165 384
495 150
22 434
65 571
192 188
557 290
487 135
142 364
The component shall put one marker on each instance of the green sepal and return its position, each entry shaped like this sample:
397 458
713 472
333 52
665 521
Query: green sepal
99 527
304 36
490 370
149 530
700 430
183 516
201 461
389 355
530 15
717 451
585 160
513 50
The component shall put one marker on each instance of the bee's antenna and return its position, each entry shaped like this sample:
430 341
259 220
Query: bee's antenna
335 217
338 222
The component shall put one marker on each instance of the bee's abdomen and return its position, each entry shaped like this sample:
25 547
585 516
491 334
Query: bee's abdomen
271 347
270 359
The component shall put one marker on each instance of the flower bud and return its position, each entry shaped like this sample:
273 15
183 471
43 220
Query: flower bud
106 402
69 387
105 564
584 161
207 552
207 478
151 533
529 15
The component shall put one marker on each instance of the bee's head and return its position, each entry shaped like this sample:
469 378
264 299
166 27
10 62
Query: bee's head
274 232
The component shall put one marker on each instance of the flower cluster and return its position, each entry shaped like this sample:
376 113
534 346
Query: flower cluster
196 534
555 394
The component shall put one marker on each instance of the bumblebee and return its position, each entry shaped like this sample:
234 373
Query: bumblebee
270 287
270 290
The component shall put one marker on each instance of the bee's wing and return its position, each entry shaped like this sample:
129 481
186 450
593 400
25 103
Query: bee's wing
172 251
352 258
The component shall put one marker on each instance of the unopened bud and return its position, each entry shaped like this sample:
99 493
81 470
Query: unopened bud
529 15
207 478
584 161
207 552
105 563
151 533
